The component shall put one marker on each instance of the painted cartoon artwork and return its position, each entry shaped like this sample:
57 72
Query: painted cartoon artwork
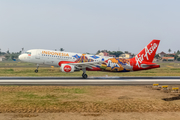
83 58
112 64
116 64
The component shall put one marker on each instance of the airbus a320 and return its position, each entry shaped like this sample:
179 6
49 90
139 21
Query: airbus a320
70 62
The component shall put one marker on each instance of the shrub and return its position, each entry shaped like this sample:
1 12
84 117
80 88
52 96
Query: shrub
178 59
164 60
170 60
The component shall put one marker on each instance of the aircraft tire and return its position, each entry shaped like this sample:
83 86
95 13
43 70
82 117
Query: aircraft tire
84 76
36 71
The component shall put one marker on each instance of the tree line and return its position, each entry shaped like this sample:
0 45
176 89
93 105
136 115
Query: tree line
176 55
14 55
116 53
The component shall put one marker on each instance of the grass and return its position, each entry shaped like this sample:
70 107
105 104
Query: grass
39 97
27 69
56 72
16 64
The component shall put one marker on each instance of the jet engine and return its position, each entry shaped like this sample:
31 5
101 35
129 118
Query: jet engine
67 68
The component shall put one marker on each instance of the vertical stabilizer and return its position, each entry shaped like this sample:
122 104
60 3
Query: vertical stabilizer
148 53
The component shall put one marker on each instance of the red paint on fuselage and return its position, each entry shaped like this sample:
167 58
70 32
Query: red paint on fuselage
149 65
65 62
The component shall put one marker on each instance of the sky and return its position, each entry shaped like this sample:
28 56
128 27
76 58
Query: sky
89 25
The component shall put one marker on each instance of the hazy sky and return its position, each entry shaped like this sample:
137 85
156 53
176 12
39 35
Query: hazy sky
89 25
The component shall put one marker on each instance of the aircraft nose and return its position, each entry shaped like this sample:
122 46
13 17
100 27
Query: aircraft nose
20 57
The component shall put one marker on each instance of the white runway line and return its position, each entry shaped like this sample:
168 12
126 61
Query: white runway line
49 81
84 80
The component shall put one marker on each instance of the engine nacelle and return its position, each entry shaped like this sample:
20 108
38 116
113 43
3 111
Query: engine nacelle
67 68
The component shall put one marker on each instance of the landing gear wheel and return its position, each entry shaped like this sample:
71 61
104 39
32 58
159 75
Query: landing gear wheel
36 71
84 76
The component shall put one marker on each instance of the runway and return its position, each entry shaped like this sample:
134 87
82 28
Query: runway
99 81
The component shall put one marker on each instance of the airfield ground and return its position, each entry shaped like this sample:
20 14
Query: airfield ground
86 102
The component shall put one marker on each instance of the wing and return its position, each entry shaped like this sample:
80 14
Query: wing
86 64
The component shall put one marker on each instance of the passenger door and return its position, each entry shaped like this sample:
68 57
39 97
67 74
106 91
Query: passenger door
38 53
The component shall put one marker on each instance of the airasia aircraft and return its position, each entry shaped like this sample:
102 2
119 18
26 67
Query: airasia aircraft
70 62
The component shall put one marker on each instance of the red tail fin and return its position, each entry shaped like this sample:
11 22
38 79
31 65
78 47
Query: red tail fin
148 53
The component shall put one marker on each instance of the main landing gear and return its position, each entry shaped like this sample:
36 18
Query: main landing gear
84 75
36 71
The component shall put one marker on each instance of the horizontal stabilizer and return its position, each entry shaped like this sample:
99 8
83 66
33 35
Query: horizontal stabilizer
147 65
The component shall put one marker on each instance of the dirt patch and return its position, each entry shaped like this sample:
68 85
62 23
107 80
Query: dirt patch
91 114
25 115
172 98
84 99
124 97
104 116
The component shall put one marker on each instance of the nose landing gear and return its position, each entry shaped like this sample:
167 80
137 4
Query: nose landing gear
36 71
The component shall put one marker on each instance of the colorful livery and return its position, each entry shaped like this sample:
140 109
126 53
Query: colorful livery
71 62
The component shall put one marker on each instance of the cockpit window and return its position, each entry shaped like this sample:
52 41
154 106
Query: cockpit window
28 53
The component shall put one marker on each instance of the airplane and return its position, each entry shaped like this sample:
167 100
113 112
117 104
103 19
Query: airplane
70 62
